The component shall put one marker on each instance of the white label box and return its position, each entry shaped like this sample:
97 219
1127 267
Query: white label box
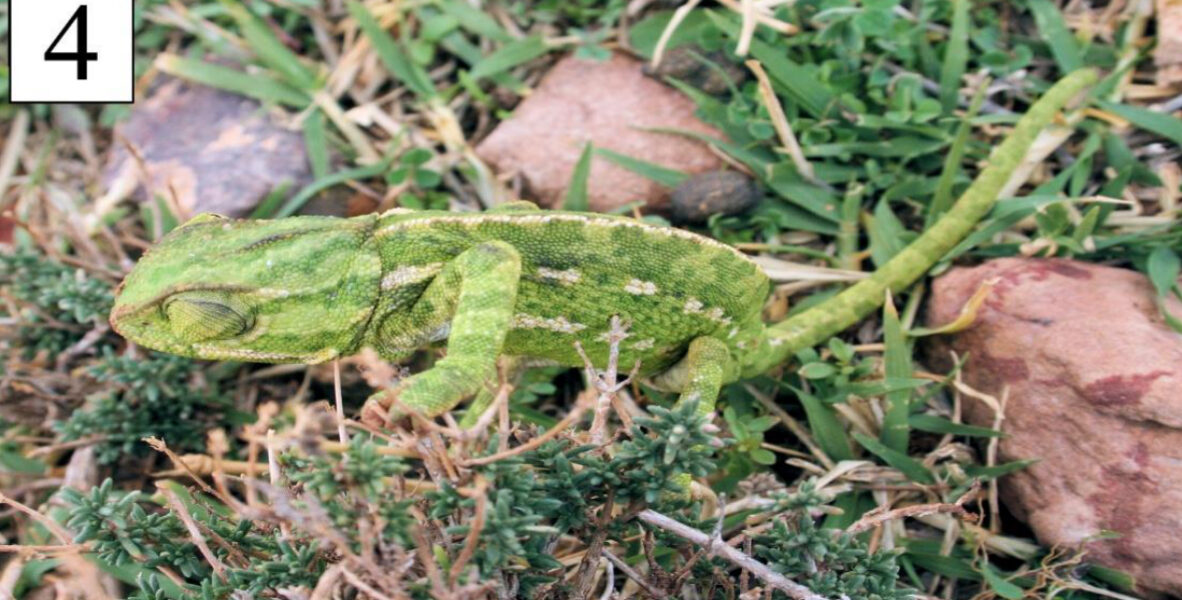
76 51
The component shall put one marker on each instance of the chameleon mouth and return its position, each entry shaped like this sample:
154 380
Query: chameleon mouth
122 315
217 353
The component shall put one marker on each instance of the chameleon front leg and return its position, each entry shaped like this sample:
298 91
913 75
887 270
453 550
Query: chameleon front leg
476 293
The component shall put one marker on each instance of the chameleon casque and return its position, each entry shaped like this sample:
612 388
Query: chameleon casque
514 281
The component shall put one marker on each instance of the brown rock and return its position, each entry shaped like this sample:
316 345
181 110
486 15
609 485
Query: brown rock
609 104
713 192
685 63
1167 54
1094 379
210 150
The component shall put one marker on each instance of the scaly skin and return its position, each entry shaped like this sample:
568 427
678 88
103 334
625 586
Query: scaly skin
515 281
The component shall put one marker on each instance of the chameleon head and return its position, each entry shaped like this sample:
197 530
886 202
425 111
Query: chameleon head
297 290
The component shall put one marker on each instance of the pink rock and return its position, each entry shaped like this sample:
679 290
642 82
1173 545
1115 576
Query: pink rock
209 150
1095 392
609 104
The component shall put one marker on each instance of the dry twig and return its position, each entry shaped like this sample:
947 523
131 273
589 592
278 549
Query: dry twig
715 546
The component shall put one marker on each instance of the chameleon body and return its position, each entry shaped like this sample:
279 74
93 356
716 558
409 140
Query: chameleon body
514 281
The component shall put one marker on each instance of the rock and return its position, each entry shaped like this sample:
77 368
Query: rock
1094 376
685 63
211 150
608 104
1167 54
713 192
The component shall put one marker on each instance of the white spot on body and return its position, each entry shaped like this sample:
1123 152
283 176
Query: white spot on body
773 342
267 292
409 274
644 344
693 305
555 324
440 332
641 288
567 277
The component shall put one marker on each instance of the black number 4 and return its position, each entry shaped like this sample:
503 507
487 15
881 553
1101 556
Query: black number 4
80 55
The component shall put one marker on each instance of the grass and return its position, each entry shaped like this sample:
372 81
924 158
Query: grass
247 485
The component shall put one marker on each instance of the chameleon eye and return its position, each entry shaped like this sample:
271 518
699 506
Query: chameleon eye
201 316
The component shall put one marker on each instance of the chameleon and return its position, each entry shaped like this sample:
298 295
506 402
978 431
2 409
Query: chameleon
514 281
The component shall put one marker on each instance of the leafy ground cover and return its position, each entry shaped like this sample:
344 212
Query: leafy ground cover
127 473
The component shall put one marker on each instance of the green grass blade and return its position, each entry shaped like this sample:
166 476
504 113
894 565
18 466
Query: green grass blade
270 50
948 566
1053 30
847 233
475 21
264 89
468 52
998 470
1167 126
393 55
942 197
1163 267
826 429
956 55
934 424
271 202
296 202
662 175
1003 588
896 430
316 142
510 55
576 192
913 469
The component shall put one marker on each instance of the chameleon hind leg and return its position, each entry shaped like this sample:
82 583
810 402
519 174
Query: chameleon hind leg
471 302
700 375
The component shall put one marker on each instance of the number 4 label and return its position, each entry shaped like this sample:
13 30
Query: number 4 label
80 55
71 51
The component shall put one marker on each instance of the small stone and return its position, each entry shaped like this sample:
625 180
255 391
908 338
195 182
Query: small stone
714 192
685 63
211 151
609 104
7 227
1093 376
1167 53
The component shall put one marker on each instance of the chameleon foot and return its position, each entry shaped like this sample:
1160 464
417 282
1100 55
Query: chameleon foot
379 410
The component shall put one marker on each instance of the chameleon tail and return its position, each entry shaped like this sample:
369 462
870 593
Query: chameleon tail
817 324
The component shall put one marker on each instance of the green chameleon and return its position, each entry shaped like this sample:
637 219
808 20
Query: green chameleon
514 281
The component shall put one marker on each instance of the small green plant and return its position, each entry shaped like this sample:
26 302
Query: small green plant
58 304
421 180
830 562
155 396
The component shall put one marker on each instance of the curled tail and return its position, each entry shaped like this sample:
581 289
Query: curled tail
817 324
